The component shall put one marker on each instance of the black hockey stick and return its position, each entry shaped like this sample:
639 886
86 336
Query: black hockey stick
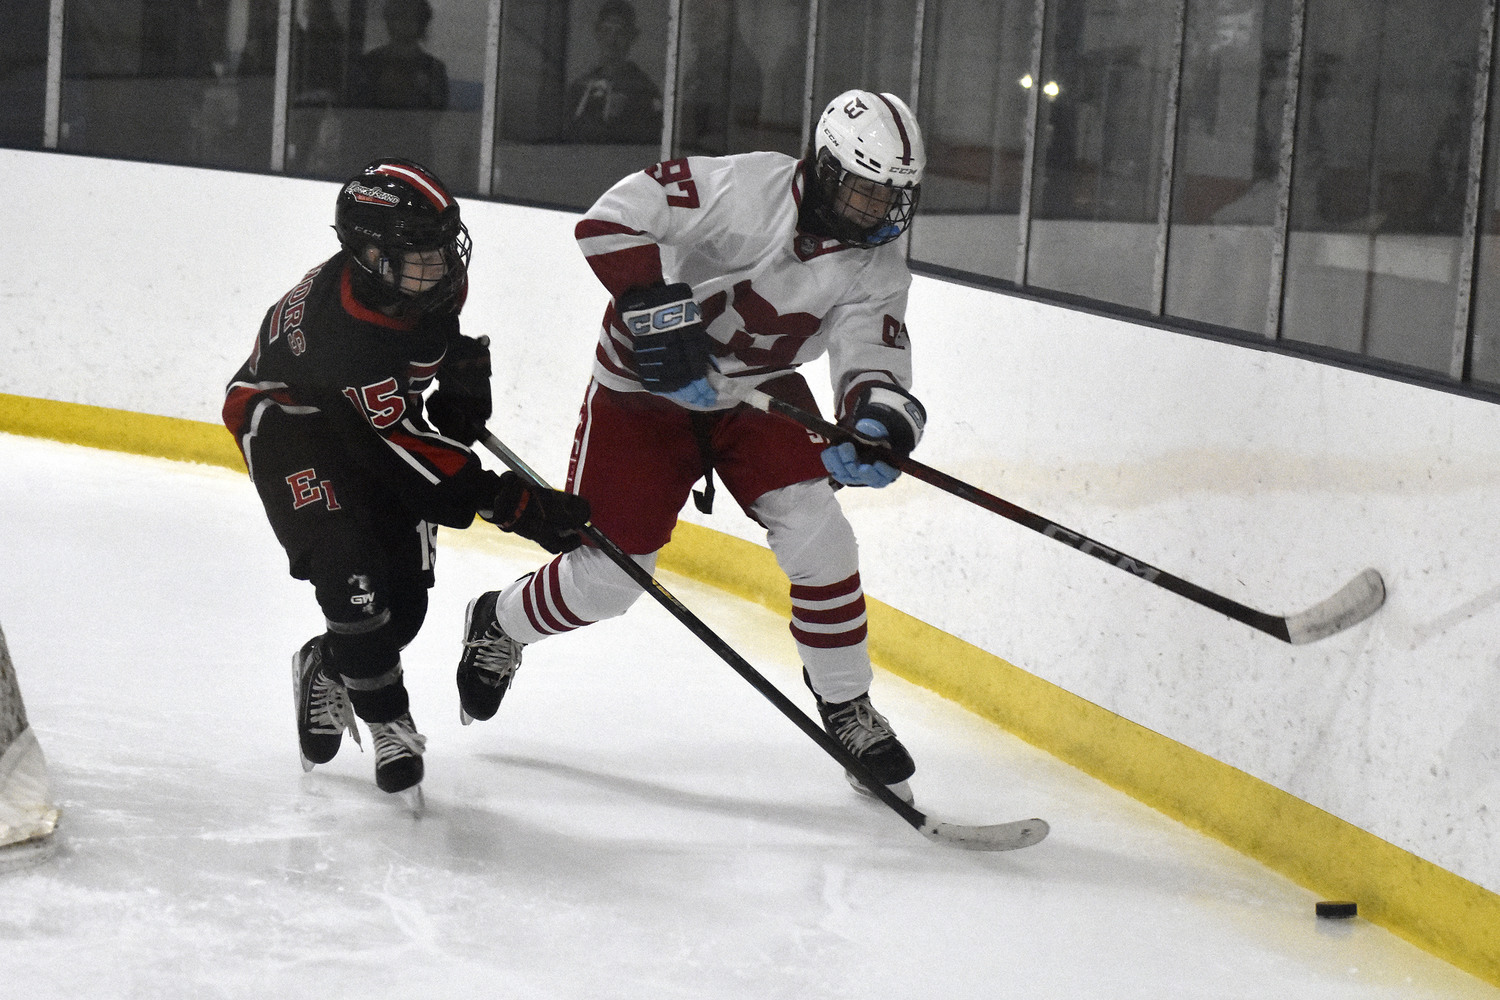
1356 601
997 837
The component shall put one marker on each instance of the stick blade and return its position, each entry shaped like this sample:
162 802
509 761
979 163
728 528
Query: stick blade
1360 598
998 837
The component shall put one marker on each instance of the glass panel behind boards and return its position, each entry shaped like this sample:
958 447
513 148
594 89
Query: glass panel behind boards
1380 177
168 81
741 76
386 78
23 73
1106 69
580 97
1228 152
976 56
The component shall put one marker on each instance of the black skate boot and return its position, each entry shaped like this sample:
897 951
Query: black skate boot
322 703
488 663
398 757
867 735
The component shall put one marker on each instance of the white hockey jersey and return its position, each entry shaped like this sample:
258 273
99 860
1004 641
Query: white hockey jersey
773 298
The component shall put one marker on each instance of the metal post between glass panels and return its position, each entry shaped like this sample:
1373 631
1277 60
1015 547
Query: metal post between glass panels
808 66
1458 365
1289 111
1168 157
52 119
669 81
281 89
1028 159
490 103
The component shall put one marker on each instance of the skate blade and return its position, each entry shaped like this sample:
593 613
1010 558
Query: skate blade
901 788
413 800
307 765
464 717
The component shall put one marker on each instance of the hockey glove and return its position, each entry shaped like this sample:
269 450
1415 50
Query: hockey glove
885 413
671 346
551 518
462 402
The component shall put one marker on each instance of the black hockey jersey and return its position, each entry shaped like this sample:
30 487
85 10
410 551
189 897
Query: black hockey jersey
353 377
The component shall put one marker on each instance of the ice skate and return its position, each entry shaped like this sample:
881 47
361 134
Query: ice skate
323 709
489 661
867 735
398 758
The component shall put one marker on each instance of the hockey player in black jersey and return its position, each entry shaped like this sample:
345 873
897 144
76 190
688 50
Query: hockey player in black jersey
328 412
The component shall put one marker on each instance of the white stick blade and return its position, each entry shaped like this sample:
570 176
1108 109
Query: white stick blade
999 837
1360 598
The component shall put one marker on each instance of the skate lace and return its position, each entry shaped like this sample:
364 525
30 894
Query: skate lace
329 710
496 654
394 740
860 727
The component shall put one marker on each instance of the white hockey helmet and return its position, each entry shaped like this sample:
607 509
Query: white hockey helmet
865 141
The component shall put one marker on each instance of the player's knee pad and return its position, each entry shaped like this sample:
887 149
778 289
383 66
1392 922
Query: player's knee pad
807 530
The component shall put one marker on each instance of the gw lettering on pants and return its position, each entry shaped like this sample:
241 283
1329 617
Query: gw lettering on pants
307 488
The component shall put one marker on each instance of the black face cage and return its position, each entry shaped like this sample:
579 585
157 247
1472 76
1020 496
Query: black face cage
855 227
438 294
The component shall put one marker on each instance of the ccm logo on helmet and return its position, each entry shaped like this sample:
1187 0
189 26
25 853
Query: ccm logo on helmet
661 320
371 196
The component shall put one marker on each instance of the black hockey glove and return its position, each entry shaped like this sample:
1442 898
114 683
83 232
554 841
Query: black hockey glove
551 518
461 404
884 412
671 346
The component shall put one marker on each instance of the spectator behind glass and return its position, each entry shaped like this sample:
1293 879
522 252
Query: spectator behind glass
722 86
400 73
616 102
398 76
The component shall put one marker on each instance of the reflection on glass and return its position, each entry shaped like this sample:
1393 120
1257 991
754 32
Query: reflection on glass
1106 67
23 73
1380 177
580 97
1226 174
972 108
741 84
616 101
175 82
394 78
865 46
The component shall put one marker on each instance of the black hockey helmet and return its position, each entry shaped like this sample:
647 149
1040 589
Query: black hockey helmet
863 170
401 227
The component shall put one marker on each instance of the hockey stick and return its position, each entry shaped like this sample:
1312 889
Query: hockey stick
997 837
1356 600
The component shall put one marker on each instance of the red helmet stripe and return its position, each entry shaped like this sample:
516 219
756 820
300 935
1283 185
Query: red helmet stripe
423 182
900 128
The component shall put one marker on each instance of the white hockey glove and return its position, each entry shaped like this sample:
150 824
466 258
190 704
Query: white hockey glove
883 412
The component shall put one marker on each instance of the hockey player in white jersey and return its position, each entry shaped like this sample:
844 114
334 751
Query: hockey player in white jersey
736 270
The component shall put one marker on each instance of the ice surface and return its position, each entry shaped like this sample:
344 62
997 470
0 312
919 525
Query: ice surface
635 823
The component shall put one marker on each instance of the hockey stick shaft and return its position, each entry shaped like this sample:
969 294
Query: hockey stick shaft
726 652
1355 602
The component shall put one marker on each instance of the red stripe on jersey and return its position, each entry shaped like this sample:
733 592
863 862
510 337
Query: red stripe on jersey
633 267
364 313
608 363
597 227
837 640
439 456
418 370
846 587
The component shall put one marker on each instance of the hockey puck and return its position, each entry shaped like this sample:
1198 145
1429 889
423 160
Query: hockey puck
1337 909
